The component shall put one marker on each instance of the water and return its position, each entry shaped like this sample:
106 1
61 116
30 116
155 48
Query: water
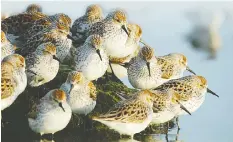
164 26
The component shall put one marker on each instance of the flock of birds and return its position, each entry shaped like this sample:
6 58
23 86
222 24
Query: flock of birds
34 45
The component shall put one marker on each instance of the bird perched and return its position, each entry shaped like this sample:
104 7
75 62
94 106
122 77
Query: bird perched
147 71
6 47
190 90
91 58
129 116
82 25
42 65
173 65
17 24
57 36
132 43
13 79
81 93
33 8
50 114
166 105
143 71
113 30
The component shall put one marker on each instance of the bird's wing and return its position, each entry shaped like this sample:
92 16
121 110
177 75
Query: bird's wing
167 68
97 28
126 111
8 84
93 93
38 27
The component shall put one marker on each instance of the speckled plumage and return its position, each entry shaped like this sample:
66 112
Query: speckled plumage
6 47
165 106
173 65
138 73
58 21
113 30
81 26
13 79
81 93
88 61
190 90
50 114
17 24
147 71
41 65
129 116
55 36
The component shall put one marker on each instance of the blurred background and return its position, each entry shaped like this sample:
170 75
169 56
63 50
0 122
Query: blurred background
203 31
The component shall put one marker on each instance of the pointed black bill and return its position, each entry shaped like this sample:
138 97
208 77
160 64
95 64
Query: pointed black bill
55 58
188 69
124 28
211 92
60 105
148 67
126 65
72 86
70 37
98 52
142 42
182 107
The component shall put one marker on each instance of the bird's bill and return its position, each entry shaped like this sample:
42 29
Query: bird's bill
125 29
70 37
55 58
141 41
126 65
148 67
72 86
185 109
211 92
188 69
60 105
98 52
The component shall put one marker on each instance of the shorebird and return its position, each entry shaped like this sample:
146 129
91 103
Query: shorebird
81 93
129 116
91 58
50 114
13 79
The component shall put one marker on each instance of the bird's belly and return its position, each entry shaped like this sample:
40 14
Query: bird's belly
162 117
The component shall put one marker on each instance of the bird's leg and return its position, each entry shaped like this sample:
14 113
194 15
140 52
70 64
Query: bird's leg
114 77
131 137
167 127
167 137
178 129
52 136
177 123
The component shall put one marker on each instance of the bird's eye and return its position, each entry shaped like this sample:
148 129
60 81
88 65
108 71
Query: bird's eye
118 20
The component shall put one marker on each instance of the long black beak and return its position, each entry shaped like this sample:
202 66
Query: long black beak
70 37
98 52
55 58
126 65
124 28
72 86
188 69
148 67
60 105
211 92
142 42
182 107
